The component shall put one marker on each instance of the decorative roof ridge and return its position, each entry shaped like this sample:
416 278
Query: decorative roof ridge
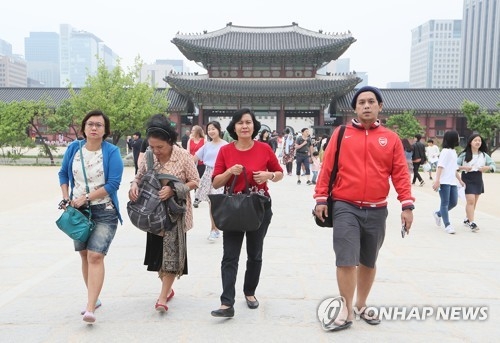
263 29
320 77
337 76
186 75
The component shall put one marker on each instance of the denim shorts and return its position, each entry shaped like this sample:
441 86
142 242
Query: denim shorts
100 239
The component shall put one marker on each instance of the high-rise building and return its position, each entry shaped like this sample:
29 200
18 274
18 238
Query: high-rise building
480 65
41 52
84 52
155 73
108 56
13 72
64 53
5 48
80 52
435 54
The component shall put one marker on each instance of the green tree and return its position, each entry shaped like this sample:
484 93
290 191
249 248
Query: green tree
64 117
484 123
19 118
405 125
126 102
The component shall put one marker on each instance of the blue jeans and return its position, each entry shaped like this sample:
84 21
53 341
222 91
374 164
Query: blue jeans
315 175
232 242
449 199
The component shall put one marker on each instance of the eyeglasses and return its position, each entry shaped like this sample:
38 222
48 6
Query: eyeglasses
96 125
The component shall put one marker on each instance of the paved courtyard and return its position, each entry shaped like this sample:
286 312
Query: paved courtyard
41 291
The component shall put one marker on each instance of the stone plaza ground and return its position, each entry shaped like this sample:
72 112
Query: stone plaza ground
42 293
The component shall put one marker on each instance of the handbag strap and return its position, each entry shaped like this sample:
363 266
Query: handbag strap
85 177
150 166
149 159
247 185
333 175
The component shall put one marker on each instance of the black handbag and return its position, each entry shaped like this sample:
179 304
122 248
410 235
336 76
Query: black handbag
238 212
328 222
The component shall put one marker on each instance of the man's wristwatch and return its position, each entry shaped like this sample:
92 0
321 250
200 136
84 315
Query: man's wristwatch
409 207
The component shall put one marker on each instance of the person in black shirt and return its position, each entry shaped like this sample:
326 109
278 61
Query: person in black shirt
418 158
136 148
185 139
303 153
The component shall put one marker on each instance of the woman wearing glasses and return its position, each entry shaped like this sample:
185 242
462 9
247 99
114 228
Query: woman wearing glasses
103 173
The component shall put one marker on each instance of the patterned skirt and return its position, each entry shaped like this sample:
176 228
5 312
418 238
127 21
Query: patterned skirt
206 186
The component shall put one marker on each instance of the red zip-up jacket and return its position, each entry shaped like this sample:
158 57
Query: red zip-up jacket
368 158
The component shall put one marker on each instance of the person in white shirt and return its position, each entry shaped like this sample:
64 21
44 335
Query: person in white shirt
208 154
447 178
473 162
432 153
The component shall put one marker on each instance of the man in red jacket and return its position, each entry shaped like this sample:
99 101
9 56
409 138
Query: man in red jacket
370 155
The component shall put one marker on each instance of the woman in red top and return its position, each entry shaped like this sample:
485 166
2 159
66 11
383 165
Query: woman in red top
261 165
194 144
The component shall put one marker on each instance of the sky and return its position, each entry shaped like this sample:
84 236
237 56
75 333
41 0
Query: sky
382 28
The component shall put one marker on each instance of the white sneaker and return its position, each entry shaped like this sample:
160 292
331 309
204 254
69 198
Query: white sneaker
437 218
449 229
213 235
466 223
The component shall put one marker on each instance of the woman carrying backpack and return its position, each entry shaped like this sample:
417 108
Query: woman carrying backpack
167 254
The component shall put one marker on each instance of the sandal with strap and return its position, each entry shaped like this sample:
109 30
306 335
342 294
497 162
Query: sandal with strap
332 327
370 317
98 304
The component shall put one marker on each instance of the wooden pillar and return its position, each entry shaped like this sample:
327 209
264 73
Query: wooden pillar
281 120
200 116
321 119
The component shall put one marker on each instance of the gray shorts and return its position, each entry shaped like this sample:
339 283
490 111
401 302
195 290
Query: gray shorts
100 239
358 234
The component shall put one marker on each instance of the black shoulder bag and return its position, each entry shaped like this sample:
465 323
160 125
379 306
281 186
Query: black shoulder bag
329 220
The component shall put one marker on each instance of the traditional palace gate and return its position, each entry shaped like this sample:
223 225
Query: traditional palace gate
271 70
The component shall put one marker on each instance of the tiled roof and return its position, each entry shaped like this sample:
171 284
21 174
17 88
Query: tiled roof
395 100
202 84
177 102
274 40
434 100
58 95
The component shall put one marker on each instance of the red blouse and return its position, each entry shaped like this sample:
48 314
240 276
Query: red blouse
194 147
260 157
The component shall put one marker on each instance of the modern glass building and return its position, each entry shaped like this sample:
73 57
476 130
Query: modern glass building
41 52
480 65
435 54
5 48
80 52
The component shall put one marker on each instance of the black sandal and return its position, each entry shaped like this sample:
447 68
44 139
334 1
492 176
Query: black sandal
369 317
347 324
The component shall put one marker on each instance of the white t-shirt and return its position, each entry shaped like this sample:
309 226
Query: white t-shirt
208 152
448 161
432 153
